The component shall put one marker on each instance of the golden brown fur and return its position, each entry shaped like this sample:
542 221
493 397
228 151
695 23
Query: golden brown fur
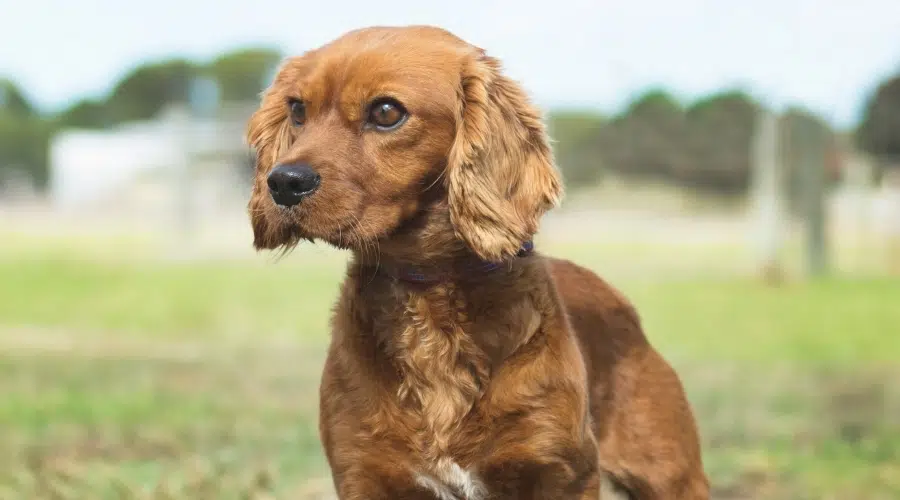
530 381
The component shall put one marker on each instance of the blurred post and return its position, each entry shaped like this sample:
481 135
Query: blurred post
858 175
203 102
891 190
768 196
268 77
813 144
204 97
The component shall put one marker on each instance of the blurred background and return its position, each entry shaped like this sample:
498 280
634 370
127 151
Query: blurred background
733 167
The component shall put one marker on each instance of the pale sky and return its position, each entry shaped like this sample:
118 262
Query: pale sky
825 54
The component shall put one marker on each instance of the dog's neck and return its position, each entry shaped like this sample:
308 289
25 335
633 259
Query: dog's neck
425 250
466 268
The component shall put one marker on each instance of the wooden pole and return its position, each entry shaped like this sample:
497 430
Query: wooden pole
768 197
813 143
203 102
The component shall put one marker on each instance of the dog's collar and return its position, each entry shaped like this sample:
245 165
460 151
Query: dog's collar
423 276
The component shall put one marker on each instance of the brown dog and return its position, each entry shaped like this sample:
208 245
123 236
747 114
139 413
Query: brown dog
462 366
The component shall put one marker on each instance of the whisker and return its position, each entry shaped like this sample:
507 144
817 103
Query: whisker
368 244
357 240
439 177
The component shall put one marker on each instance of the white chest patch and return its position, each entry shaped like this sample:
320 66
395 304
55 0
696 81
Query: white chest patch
609 491
449 481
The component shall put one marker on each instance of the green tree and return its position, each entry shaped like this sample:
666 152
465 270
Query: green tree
24 137
721 131
879 132
647 140
573 132
148 89
241 74
24 147
86 113
13 100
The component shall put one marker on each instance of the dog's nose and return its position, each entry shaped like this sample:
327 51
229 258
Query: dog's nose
290 183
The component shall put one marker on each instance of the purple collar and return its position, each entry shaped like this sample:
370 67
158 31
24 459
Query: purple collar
410 274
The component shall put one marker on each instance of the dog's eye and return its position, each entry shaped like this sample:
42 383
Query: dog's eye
387 114
298 112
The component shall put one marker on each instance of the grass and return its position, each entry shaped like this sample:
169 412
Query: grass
128 377
211 425
196 298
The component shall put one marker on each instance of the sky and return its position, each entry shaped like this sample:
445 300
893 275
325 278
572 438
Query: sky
826 55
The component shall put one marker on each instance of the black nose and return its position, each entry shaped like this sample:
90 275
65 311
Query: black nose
288 184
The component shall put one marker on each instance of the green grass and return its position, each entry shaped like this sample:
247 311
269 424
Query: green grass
124 376
222 420
189 298
835 321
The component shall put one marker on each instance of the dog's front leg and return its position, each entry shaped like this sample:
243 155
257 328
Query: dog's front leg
380 480
566 474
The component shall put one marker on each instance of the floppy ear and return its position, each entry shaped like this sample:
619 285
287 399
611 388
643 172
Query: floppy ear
501 175
268 132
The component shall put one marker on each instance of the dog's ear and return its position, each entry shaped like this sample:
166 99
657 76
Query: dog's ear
501 175
268 133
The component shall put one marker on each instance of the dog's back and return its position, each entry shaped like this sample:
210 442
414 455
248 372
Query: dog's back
628 378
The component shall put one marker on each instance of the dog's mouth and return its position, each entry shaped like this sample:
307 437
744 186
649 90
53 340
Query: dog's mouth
346 236
344 222
302 223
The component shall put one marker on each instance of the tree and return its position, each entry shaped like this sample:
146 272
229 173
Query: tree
241 74
150 88
879 132
24 137
24 147
147 90
647 140
572 132
721 133
13 101
86 113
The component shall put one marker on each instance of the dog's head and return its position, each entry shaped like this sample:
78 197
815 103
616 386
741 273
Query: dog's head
399 134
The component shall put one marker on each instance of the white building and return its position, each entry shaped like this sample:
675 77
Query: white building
154 165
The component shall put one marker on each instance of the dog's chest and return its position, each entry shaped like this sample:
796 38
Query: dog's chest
442 372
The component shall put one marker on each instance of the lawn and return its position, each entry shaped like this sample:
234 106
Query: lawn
125 376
